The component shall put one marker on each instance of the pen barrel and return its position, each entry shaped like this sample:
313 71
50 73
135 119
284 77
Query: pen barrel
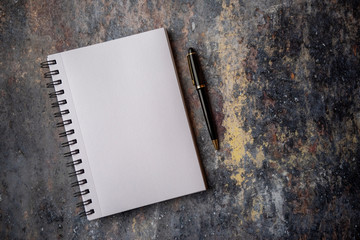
195 71
205 105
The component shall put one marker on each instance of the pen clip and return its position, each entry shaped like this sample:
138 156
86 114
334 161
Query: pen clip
191 71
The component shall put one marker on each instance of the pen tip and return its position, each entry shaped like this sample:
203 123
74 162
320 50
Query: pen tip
216 144
191 50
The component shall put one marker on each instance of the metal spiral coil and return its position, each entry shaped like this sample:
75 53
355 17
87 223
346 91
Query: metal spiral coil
69 143
76 173
81 193
51 73
56 93
67 133
87 202
71 153
47 63
86 213
59 103
54 83
61 113
74 163
63 123
78 183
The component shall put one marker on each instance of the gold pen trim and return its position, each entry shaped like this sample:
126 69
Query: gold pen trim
216 144
200 86
191 53
191 71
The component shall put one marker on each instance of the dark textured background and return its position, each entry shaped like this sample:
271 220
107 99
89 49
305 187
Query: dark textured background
284 83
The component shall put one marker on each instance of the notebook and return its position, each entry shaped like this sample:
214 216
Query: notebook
125 123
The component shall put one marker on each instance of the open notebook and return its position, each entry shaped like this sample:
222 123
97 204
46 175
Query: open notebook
125 123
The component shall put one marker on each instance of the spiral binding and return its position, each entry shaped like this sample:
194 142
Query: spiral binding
61 113
63 123
67 133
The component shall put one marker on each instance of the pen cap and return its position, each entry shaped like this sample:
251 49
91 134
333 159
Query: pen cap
194 66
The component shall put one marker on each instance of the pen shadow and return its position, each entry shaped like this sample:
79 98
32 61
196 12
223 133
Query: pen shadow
187 108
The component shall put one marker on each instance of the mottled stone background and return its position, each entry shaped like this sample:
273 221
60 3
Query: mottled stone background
283 77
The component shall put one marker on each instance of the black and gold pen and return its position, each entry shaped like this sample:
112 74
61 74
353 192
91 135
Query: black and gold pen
199 82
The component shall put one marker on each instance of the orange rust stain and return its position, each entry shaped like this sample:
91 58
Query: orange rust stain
354 49
292 76
313 148
289 179
273 138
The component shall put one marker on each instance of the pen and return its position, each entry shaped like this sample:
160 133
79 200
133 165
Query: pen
198 81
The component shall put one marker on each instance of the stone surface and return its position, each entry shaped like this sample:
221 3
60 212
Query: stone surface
283 78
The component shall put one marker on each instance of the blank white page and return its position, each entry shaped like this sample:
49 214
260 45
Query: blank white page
130 121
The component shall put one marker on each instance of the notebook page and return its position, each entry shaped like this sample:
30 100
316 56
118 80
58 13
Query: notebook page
133 123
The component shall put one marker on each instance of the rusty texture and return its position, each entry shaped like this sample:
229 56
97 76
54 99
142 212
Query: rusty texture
283 79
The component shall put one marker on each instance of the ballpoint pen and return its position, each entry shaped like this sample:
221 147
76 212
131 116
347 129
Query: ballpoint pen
198 81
